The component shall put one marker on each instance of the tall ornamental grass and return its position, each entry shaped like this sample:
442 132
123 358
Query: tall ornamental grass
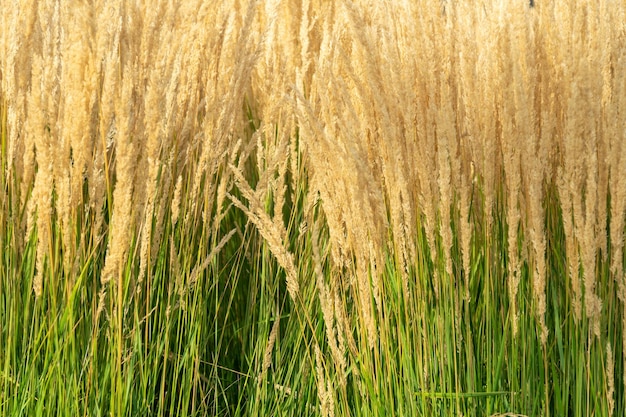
308 207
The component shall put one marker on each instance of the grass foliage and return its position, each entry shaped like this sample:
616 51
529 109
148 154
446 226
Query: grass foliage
303 207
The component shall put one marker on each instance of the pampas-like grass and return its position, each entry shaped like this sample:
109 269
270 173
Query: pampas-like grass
424 180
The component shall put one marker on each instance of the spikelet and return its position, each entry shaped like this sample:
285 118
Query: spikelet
267 356
176 200
123 213
519 121
149 166
445 192
513 218
198 269
269 229
39 209
593 304
610 378
328 309
344 332
535 215
20 48
570 243
617 184
569 184
467 79
465 231
45 74
324 387
79 88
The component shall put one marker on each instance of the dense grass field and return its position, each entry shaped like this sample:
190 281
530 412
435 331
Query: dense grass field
311 207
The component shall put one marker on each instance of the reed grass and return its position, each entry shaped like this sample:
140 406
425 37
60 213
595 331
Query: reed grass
302 207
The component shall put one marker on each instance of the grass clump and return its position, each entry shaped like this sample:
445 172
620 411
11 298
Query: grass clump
294 207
